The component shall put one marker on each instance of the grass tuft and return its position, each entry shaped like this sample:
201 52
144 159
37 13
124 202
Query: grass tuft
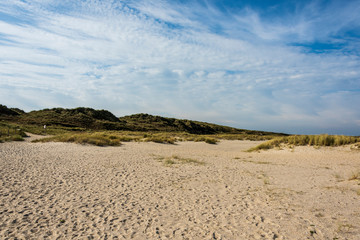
98 139
176 160
160 139
355 176
11 132
211 140
308 140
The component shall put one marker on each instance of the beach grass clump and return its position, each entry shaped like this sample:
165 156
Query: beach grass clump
207 139
177 160
11 138
356 146
211 140
11 132
160 139
97 138
267 145
308 140
246 136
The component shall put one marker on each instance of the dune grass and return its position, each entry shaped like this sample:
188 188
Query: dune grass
176 160
160 139
307 140
356 146
98 139
107 138
11 132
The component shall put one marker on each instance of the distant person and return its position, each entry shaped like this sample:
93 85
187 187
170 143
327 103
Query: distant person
45 129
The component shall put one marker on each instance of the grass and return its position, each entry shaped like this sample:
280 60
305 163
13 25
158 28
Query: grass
102 120
79 134
175 160
160 139
355 146
66 134
307 140
209 140
11 132
98 139
355 176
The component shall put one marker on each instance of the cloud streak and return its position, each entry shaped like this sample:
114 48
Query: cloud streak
190 60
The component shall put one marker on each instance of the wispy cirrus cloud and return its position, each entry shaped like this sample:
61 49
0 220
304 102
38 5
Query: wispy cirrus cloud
293 72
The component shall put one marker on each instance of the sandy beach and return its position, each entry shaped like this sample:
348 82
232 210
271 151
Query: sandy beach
146 191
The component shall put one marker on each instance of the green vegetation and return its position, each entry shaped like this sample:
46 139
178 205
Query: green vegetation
101 120
146 122
11 132
160 139
98 139
85 118
4 110
122 136
307 140
75 125
101 127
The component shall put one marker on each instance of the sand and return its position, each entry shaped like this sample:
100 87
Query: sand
72 191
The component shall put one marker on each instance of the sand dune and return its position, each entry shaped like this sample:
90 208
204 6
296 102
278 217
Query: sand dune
70 191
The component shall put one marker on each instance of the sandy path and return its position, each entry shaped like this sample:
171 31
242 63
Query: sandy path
70 191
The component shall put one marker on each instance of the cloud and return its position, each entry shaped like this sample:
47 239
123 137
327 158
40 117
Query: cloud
186 60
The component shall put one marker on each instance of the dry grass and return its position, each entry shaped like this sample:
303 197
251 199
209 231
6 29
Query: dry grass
98 139
160 139
355 146
11 132
307 140
355 176
176 160
61 135
208 140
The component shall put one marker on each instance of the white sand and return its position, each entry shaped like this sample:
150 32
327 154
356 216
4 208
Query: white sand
71 191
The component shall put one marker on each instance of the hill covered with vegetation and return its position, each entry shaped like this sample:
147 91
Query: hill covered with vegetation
90 119
102 128
5 111
146 122
81 117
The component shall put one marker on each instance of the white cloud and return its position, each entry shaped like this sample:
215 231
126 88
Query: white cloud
164 59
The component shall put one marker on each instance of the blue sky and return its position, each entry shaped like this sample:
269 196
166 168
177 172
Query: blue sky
286 66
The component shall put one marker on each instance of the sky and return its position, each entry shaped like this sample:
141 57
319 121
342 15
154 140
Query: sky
282 66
